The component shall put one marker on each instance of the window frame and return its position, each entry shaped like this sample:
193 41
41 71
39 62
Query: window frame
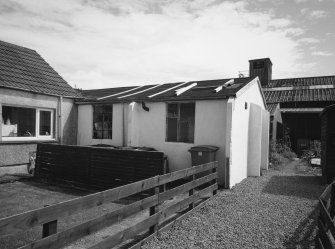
103 113
178 121
37 125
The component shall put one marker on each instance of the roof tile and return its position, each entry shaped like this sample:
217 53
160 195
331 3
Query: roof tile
23 68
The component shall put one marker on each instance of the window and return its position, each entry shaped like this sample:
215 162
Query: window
20 123
180 122
102 121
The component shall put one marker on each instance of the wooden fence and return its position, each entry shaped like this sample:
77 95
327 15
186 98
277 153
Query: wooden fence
96 167
326 235
196 188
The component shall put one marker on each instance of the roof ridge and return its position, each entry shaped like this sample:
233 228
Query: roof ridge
309 77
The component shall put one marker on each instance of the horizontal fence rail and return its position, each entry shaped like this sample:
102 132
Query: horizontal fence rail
326 235
96 167
197 187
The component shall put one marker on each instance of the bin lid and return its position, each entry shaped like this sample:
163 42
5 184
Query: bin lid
204 148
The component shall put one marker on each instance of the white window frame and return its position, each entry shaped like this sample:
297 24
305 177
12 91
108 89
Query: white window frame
37 126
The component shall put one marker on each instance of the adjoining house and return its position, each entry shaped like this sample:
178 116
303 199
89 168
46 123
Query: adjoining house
295 104
36 105
228 113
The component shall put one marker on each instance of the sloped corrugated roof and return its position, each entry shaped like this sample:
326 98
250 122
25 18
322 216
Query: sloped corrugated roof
306 81
301 110
300 89
300 95
167 92
24 69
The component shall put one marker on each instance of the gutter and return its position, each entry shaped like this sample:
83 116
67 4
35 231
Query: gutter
153 100
50 94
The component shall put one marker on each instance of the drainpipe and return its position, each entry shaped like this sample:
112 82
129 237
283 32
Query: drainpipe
60 134
123 128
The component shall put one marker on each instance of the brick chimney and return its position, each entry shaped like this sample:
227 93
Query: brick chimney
261 68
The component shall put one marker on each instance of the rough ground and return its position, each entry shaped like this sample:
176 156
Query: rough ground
276 210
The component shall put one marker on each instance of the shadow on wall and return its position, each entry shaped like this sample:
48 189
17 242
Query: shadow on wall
70 127
309 187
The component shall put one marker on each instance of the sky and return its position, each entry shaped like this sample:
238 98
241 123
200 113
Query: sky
112 43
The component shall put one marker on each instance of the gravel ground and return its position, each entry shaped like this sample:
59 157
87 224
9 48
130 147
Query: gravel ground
276 210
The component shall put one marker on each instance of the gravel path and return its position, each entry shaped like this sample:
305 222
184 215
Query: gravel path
276 210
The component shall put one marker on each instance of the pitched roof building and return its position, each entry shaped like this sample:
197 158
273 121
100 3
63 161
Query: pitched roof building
227 113
36 104
24 69
299 100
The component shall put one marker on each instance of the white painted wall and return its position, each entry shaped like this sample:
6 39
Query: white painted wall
255 140
265 140
149 129
246 130
85 126
210 121
27 99
239 146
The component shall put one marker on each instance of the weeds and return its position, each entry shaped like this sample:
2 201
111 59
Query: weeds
279 153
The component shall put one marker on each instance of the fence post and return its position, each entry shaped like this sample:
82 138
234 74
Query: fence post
153 210
215 180
191 192
165 168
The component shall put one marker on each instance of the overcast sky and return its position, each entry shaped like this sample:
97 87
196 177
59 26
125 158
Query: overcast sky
108 43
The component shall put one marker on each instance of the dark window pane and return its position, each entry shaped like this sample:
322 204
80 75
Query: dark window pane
18 122
172 110
180 122
187 114
172 124
98 109
102 121
45 123
107 109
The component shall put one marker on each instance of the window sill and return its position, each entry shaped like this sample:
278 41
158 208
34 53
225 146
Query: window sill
32 141
175 142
